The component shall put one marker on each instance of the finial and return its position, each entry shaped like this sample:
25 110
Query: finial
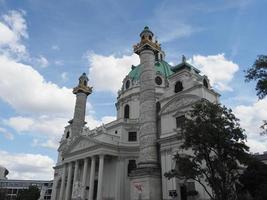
83 85
183 59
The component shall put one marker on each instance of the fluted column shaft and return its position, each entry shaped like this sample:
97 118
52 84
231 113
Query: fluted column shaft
68 189
63 179
85 168
92 178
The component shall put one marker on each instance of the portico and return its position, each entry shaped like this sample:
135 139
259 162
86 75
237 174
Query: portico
74 178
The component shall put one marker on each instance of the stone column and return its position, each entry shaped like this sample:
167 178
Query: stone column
69 188
92 178
100 177
63 179
85 168
54 189
76 168
148 150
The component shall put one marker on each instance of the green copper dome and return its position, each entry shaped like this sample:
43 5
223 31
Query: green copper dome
161 66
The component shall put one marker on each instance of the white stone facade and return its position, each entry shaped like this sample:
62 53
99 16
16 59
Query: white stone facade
95 164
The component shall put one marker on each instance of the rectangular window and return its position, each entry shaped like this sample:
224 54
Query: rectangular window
132 136
180 121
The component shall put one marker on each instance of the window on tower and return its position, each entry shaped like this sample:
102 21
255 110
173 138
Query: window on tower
205 83
132 136
127 111
178 87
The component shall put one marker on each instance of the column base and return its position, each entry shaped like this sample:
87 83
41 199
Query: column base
146 184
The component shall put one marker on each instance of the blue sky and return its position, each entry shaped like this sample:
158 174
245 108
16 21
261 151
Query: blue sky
46 45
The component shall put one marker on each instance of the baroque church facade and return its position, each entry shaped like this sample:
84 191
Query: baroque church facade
126 159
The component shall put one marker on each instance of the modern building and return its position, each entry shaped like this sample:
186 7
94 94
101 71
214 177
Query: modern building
127 158
13 187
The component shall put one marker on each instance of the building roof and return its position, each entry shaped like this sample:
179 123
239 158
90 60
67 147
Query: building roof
161 67
184 65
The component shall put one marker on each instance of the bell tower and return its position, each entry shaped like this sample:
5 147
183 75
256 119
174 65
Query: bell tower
147 174
81 91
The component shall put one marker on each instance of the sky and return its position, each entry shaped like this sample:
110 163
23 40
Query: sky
46 45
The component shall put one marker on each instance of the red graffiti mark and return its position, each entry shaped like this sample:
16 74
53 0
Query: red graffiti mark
139 187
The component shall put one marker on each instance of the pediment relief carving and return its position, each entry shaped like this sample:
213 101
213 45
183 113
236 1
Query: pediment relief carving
179 102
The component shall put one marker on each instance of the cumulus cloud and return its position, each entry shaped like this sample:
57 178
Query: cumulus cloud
13 29
107 72
93 123
251 118
27 166
26 90
219 70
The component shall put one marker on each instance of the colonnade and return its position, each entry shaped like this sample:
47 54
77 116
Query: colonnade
66 191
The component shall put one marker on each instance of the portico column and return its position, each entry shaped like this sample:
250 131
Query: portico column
85 167
92 178
100 177
68 189
76 168
63 179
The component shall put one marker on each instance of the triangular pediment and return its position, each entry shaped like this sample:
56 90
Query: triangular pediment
79 144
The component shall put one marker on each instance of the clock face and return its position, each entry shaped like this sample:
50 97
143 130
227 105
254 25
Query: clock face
158 80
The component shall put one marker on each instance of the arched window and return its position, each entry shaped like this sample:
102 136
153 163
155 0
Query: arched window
178 87
67 135
84 83
127 84
205 83
150 37
127 111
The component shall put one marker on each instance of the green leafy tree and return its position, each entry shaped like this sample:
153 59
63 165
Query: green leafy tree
32 193
254 180
216 142
258 72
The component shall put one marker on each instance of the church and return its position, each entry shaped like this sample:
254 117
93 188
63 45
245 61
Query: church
126 159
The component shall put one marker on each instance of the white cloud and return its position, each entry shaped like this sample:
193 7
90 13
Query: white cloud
13 29
26 90
27 166
52 127
219 70
42 61
93 123
50 143
251 118
6 134
107 72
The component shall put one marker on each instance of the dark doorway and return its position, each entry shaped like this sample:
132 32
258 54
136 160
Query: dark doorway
95 189
183 192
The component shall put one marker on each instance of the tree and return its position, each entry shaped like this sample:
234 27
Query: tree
258 72
32 193
217 143
254 180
